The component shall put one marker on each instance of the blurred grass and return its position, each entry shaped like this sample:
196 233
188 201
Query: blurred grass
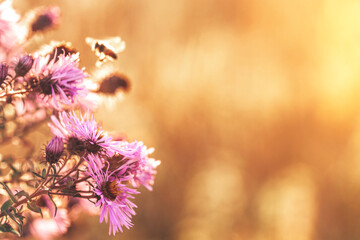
252 107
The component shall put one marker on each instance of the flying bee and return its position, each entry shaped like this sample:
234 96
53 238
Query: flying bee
106 49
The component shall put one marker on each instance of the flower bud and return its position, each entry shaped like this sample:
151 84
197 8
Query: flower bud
24 65
54 150
3 72
114 82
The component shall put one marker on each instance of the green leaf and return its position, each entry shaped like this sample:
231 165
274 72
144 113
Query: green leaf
8 228
33 207
13 168
20 217
21 229
43 173
22 193
6 205
38 175
53 168
11 195
54 175
52 200
11 216
14 217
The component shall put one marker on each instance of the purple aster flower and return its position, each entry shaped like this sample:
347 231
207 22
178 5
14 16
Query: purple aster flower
60 80
83 134
144 168
134 157
113 197
54 150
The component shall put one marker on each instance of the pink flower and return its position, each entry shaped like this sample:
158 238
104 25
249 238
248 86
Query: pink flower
131 160
48 228
59 81
11 33
113 197
139 164
83 134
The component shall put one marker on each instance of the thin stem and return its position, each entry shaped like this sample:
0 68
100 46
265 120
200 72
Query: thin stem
80 191
82 179
71 195
66 160
71 171
43 182
39 191
21 91
24 200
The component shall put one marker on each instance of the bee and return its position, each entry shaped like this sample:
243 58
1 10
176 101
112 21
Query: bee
106 49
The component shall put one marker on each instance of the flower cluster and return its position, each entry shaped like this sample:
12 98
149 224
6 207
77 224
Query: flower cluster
82 168
111 164
83 135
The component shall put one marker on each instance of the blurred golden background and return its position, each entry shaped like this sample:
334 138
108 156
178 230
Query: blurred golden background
252 106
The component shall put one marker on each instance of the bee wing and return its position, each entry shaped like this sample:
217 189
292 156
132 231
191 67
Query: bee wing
114 43
91 41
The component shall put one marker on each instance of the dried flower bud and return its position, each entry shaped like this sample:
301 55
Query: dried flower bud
46 19
3 72
75 146
54 150
114 82
24 65
114 162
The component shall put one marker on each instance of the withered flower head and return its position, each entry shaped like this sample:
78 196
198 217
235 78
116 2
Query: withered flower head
114 162
75 146
46 19
114 82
